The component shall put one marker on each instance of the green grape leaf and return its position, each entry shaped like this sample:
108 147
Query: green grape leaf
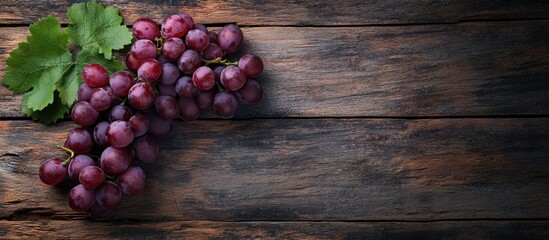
96 28
38 64
68 87
50 114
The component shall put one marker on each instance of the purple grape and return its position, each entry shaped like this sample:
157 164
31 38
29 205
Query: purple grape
84 114
197 40
232 78
133 63
108 195
175 25
97 211
200 27
91 177
79 140
166 107
145 28
119 134
185 87
139 124
84 92
52 171
115 160
204 100
141 95
167 90
145 148
173 48
250 93
212 52
78 163
203 78
100 134
225 104
188 20
101 99
230 38
143 49
162 60
217 72
80 198
170 73
251 65
213 37
121 82
132 181
158 126
189 61
120 112
150 70
188 108
95 75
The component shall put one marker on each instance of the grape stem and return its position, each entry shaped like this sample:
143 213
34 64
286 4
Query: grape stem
64 163
219 61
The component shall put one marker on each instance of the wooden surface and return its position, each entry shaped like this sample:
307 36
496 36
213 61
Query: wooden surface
381 120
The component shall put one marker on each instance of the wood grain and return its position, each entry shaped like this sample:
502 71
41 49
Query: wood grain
320 13
470 69
308 170
451 230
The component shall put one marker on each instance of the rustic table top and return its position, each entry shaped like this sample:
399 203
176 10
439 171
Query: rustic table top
380 120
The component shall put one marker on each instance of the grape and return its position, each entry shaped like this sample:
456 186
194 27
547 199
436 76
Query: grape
141 95
213 37
100 134
188 20
84 92
145 148
203 78
225 104
91 177
217 72
200 27
167 90
150 70
145 28
232 78
84 114
185 87
188 109
173 48
132 181
204 100
230 38
115 160
212 52
119 134
77 164
197 40
175 25
143 49
133 63
250 93
52 171
189 61
158 126
79 140
120 83
139 124
98 211
95 75
251 65
101 99
120 112
170 73
108 195
80 198
162 60
166 107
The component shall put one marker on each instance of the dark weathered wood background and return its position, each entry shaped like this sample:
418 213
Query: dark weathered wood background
381 120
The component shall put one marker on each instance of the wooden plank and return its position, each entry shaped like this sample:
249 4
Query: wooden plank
275 230
436 70
308 169
323 12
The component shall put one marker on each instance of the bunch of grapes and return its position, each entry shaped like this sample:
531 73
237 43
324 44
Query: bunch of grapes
181 70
